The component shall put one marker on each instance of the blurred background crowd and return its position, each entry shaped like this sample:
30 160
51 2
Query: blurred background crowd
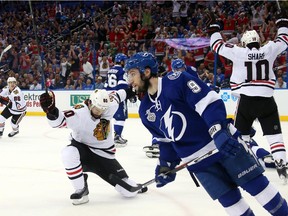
79 39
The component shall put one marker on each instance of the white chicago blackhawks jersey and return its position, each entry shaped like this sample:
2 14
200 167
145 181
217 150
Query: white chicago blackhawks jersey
252 71
84 125
17 99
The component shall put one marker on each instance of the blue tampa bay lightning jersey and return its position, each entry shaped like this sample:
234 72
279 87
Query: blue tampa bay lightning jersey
179 116
116 78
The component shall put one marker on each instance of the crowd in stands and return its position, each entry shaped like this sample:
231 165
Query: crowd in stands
76 41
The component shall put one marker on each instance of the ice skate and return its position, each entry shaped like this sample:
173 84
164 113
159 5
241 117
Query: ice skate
119 141
269 161
13 133
152 151
81 196
281 168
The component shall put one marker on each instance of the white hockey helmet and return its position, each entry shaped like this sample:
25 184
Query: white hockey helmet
11 79
249 37
100 99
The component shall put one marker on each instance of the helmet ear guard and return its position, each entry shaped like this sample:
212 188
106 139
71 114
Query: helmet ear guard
100 99
250 37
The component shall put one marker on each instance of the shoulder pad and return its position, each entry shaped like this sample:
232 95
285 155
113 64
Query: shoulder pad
174 75
16 91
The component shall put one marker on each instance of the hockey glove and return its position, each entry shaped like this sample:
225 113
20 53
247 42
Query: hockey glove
4 100
162 175
215 27
211 23
225 141
47 102
131 94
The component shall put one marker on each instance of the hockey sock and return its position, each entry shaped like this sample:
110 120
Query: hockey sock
234 204
118 129
277 146
267 195
73 167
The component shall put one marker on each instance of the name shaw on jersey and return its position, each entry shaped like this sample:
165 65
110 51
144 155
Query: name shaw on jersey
256 56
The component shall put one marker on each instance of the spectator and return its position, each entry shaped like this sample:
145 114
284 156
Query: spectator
219 77
88 85
87 68
280 83
35 86
79 84
25 62
65 67
103 67
57 83
99 84
69 85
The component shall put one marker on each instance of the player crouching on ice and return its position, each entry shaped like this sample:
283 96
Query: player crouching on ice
92 147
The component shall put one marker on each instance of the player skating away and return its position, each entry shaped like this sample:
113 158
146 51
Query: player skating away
253 81
117 79
13 98
183 110
92 148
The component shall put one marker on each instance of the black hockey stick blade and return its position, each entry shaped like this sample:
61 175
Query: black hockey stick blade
116 180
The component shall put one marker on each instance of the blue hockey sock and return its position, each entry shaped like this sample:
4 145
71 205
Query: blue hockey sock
118 129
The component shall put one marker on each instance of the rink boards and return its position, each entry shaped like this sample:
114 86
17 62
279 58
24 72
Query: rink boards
66 99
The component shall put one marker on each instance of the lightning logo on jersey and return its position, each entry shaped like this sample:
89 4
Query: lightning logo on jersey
167 127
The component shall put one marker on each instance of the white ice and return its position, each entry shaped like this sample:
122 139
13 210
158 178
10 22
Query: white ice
33 181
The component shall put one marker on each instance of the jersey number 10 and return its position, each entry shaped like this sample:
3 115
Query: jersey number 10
261 66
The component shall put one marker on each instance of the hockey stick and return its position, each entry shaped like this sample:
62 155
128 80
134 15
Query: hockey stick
5 50
37 42
278 7
116 180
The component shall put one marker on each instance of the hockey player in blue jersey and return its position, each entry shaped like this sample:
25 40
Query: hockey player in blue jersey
177 65
117 79
189 120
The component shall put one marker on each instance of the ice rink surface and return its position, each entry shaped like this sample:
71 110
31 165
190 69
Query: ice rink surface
33 181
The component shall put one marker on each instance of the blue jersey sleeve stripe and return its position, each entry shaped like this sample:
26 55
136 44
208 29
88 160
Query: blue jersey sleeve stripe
210 98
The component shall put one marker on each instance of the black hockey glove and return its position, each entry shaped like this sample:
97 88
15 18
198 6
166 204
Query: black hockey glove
226 141
215 27
5 100
47 102
211 23
131 94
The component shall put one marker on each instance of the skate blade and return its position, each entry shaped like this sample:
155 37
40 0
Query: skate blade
117 145
151 149
152 155
83 200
